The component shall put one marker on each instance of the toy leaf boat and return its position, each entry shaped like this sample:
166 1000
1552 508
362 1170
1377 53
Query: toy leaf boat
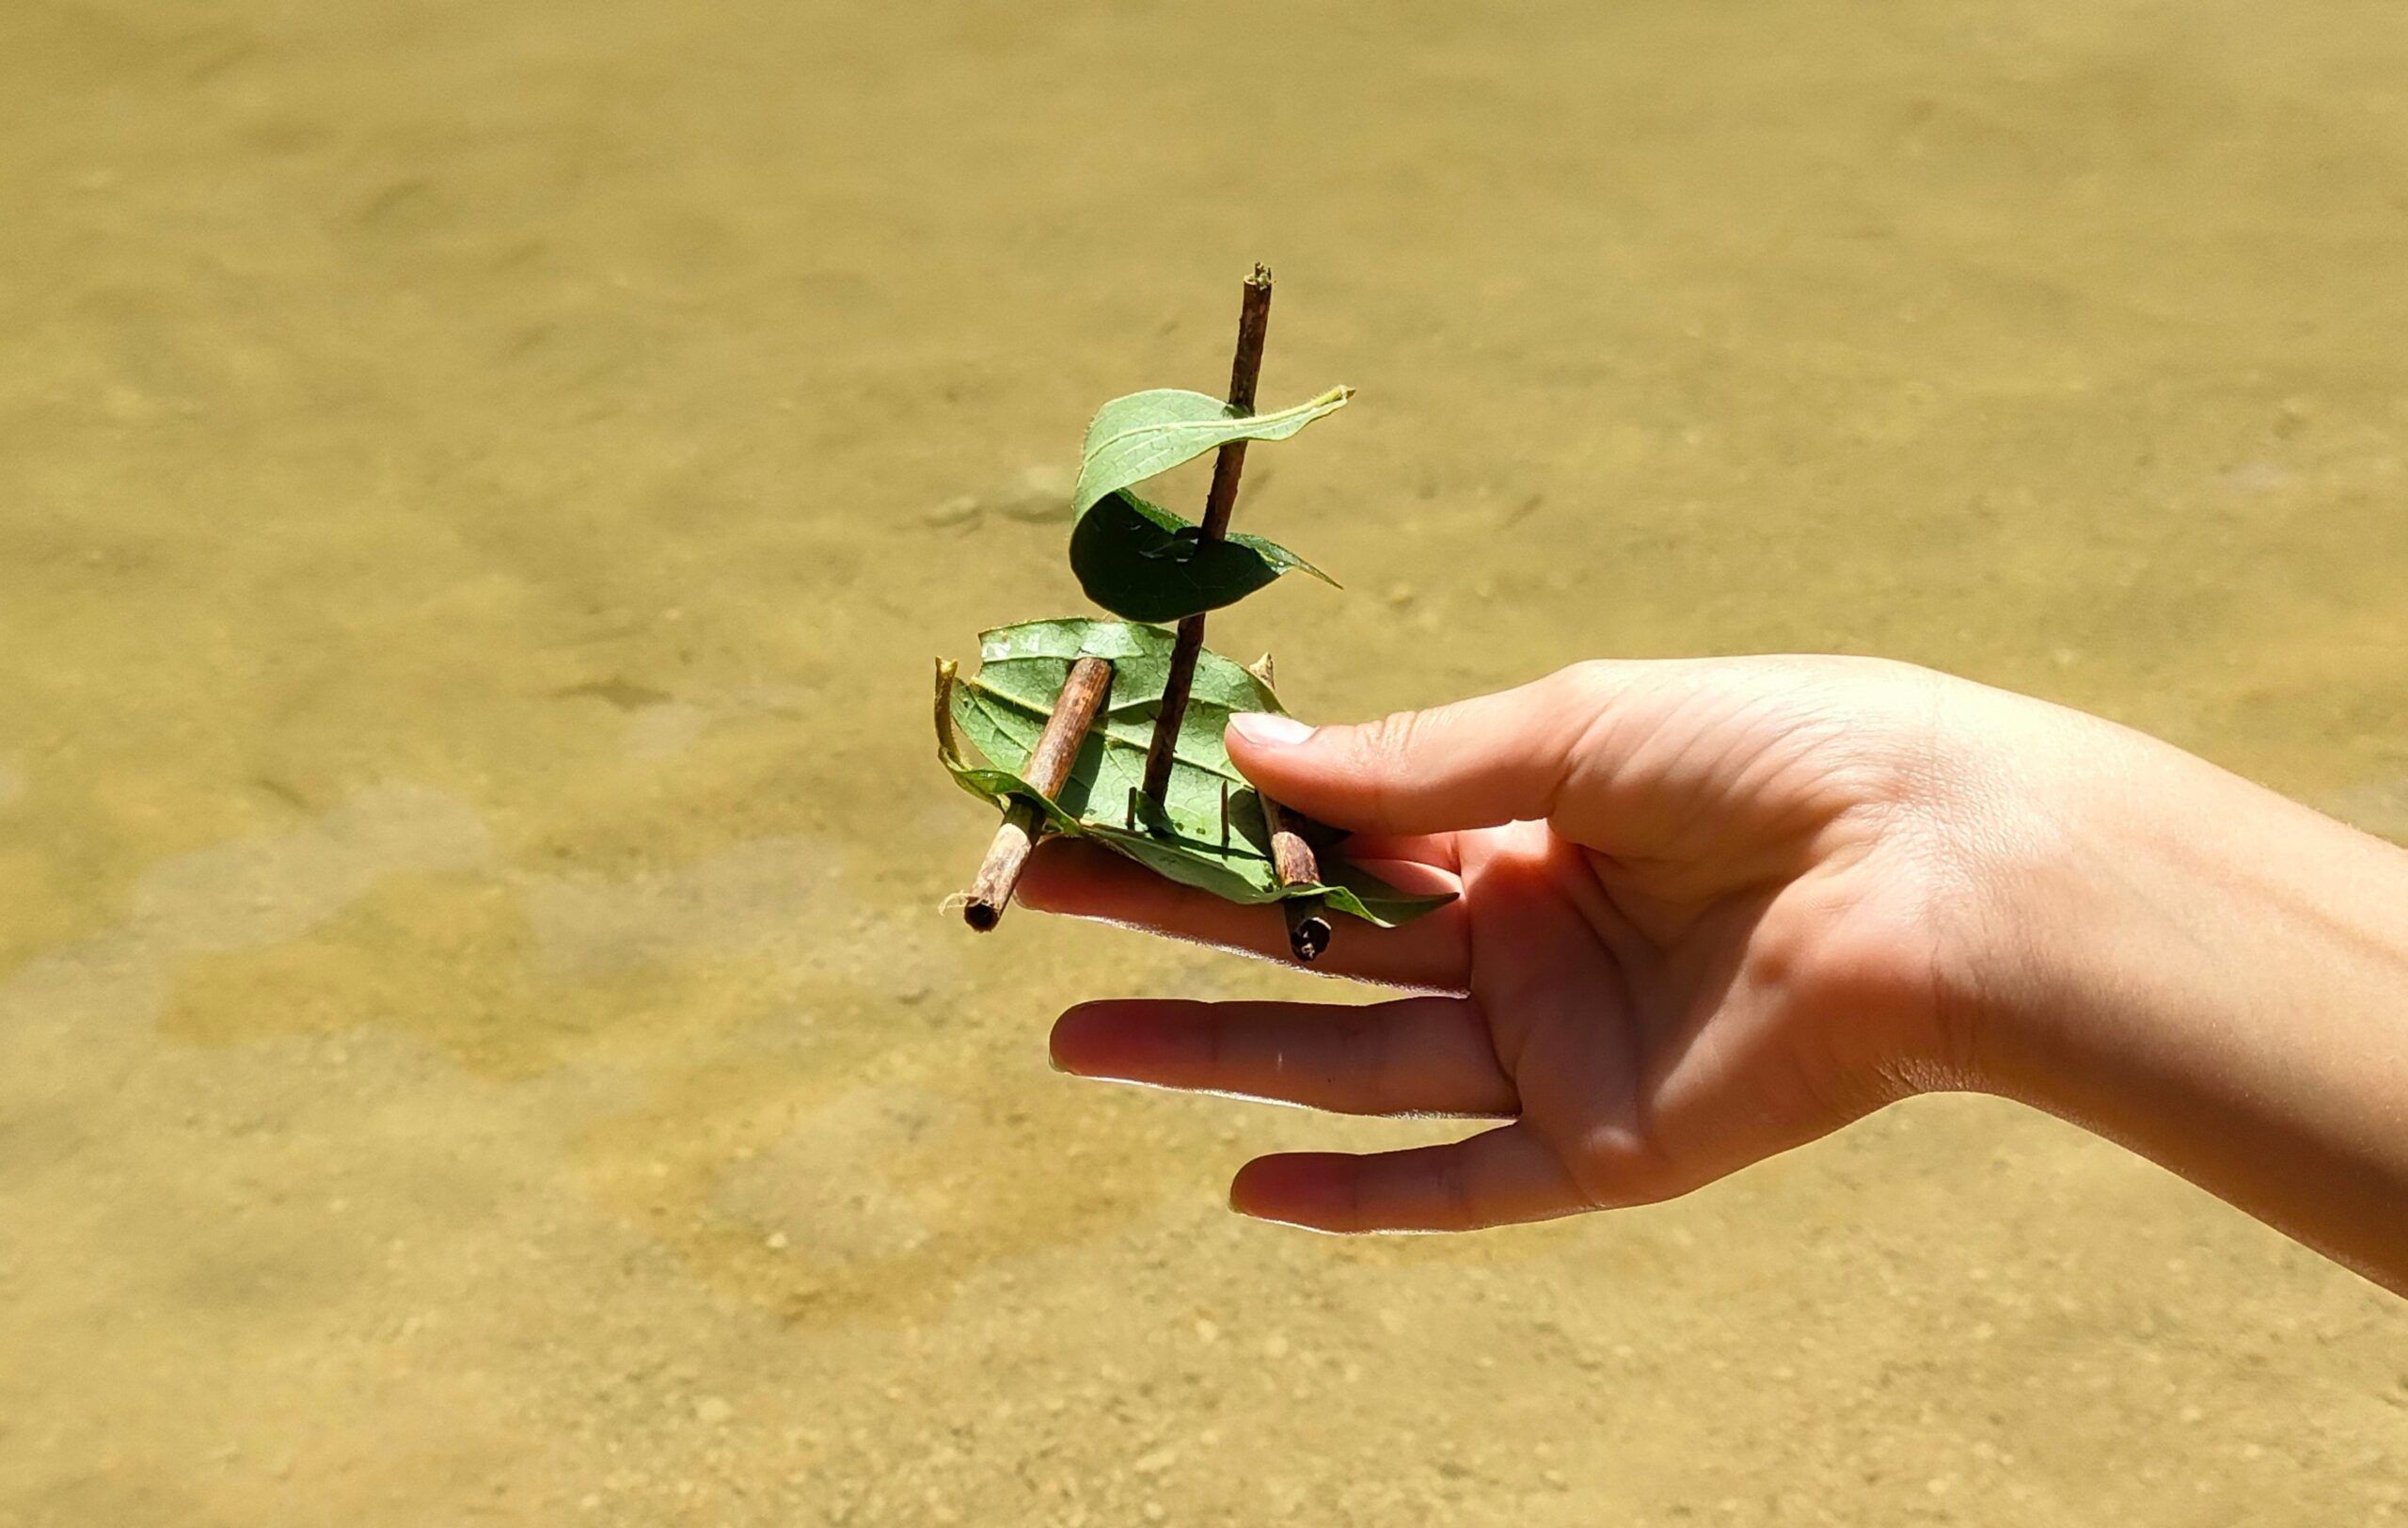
1111 730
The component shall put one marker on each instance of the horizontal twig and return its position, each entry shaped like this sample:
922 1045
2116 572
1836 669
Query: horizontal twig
1294 862
1048 766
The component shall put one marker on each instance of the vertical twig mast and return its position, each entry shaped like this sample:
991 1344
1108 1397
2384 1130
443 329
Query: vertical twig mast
1253 319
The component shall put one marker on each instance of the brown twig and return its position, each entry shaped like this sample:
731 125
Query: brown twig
1049 765
1308 927
1293 859
1254 317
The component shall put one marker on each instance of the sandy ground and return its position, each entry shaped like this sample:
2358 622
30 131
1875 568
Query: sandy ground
481 485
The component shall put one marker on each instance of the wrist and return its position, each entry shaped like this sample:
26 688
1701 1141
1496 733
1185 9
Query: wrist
2066 837
2141 907
2175 959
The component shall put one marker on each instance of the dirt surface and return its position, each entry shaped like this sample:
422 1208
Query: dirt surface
480 489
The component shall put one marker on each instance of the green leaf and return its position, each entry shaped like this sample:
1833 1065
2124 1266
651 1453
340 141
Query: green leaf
1137 559
1133 438
1210 832
1140 560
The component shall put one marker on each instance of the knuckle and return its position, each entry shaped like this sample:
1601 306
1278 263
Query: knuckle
1617 1166
1382 754
1585 686
1587 676
1385 1090
1387 742
1462 1206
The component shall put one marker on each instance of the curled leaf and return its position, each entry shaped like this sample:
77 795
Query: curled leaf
1140 560
1135 437
1137 559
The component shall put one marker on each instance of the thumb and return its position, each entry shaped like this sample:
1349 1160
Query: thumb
1476 763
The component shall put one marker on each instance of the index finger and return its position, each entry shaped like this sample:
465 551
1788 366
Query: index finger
1473 763
1433 953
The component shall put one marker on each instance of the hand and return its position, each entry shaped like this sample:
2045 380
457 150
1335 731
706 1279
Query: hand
1708 911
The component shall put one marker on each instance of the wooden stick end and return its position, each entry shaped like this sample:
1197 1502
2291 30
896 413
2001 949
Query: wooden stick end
1309 928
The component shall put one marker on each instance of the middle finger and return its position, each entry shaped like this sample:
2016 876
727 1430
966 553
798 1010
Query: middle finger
1414 1056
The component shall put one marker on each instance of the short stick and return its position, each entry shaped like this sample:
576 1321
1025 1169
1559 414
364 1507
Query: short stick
1308 929
1293 859
1048 767
1254 319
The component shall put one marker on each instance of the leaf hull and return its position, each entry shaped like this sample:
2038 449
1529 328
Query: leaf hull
1210 832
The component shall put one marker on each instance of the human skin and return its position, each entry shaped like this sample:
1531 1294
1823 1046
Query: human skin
1712 910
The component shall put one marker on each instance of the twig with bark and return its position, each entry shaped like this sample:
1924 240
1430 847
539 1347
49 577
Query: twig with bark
1254 320
1048 766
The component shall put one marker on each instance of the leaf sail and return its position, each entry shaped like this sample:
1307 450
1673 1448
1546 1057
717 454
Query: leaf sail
1192 839
1146 434
1137 559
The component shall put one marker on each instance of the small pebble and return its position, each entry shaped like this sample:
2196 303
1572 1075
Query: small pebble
1039 494
959 511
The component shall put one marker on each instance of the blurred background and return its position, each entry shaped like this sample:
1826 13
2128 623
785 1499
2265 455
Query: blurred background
481 486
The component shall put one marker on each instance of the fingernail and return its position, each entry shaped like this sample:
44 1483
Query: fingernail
1268 729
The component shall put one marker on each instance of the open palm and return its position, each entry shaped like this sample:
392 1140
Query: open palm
1708 912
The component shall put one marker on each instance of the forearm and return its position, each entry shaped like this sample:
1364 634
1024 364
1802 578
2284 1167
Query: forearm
2218 978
